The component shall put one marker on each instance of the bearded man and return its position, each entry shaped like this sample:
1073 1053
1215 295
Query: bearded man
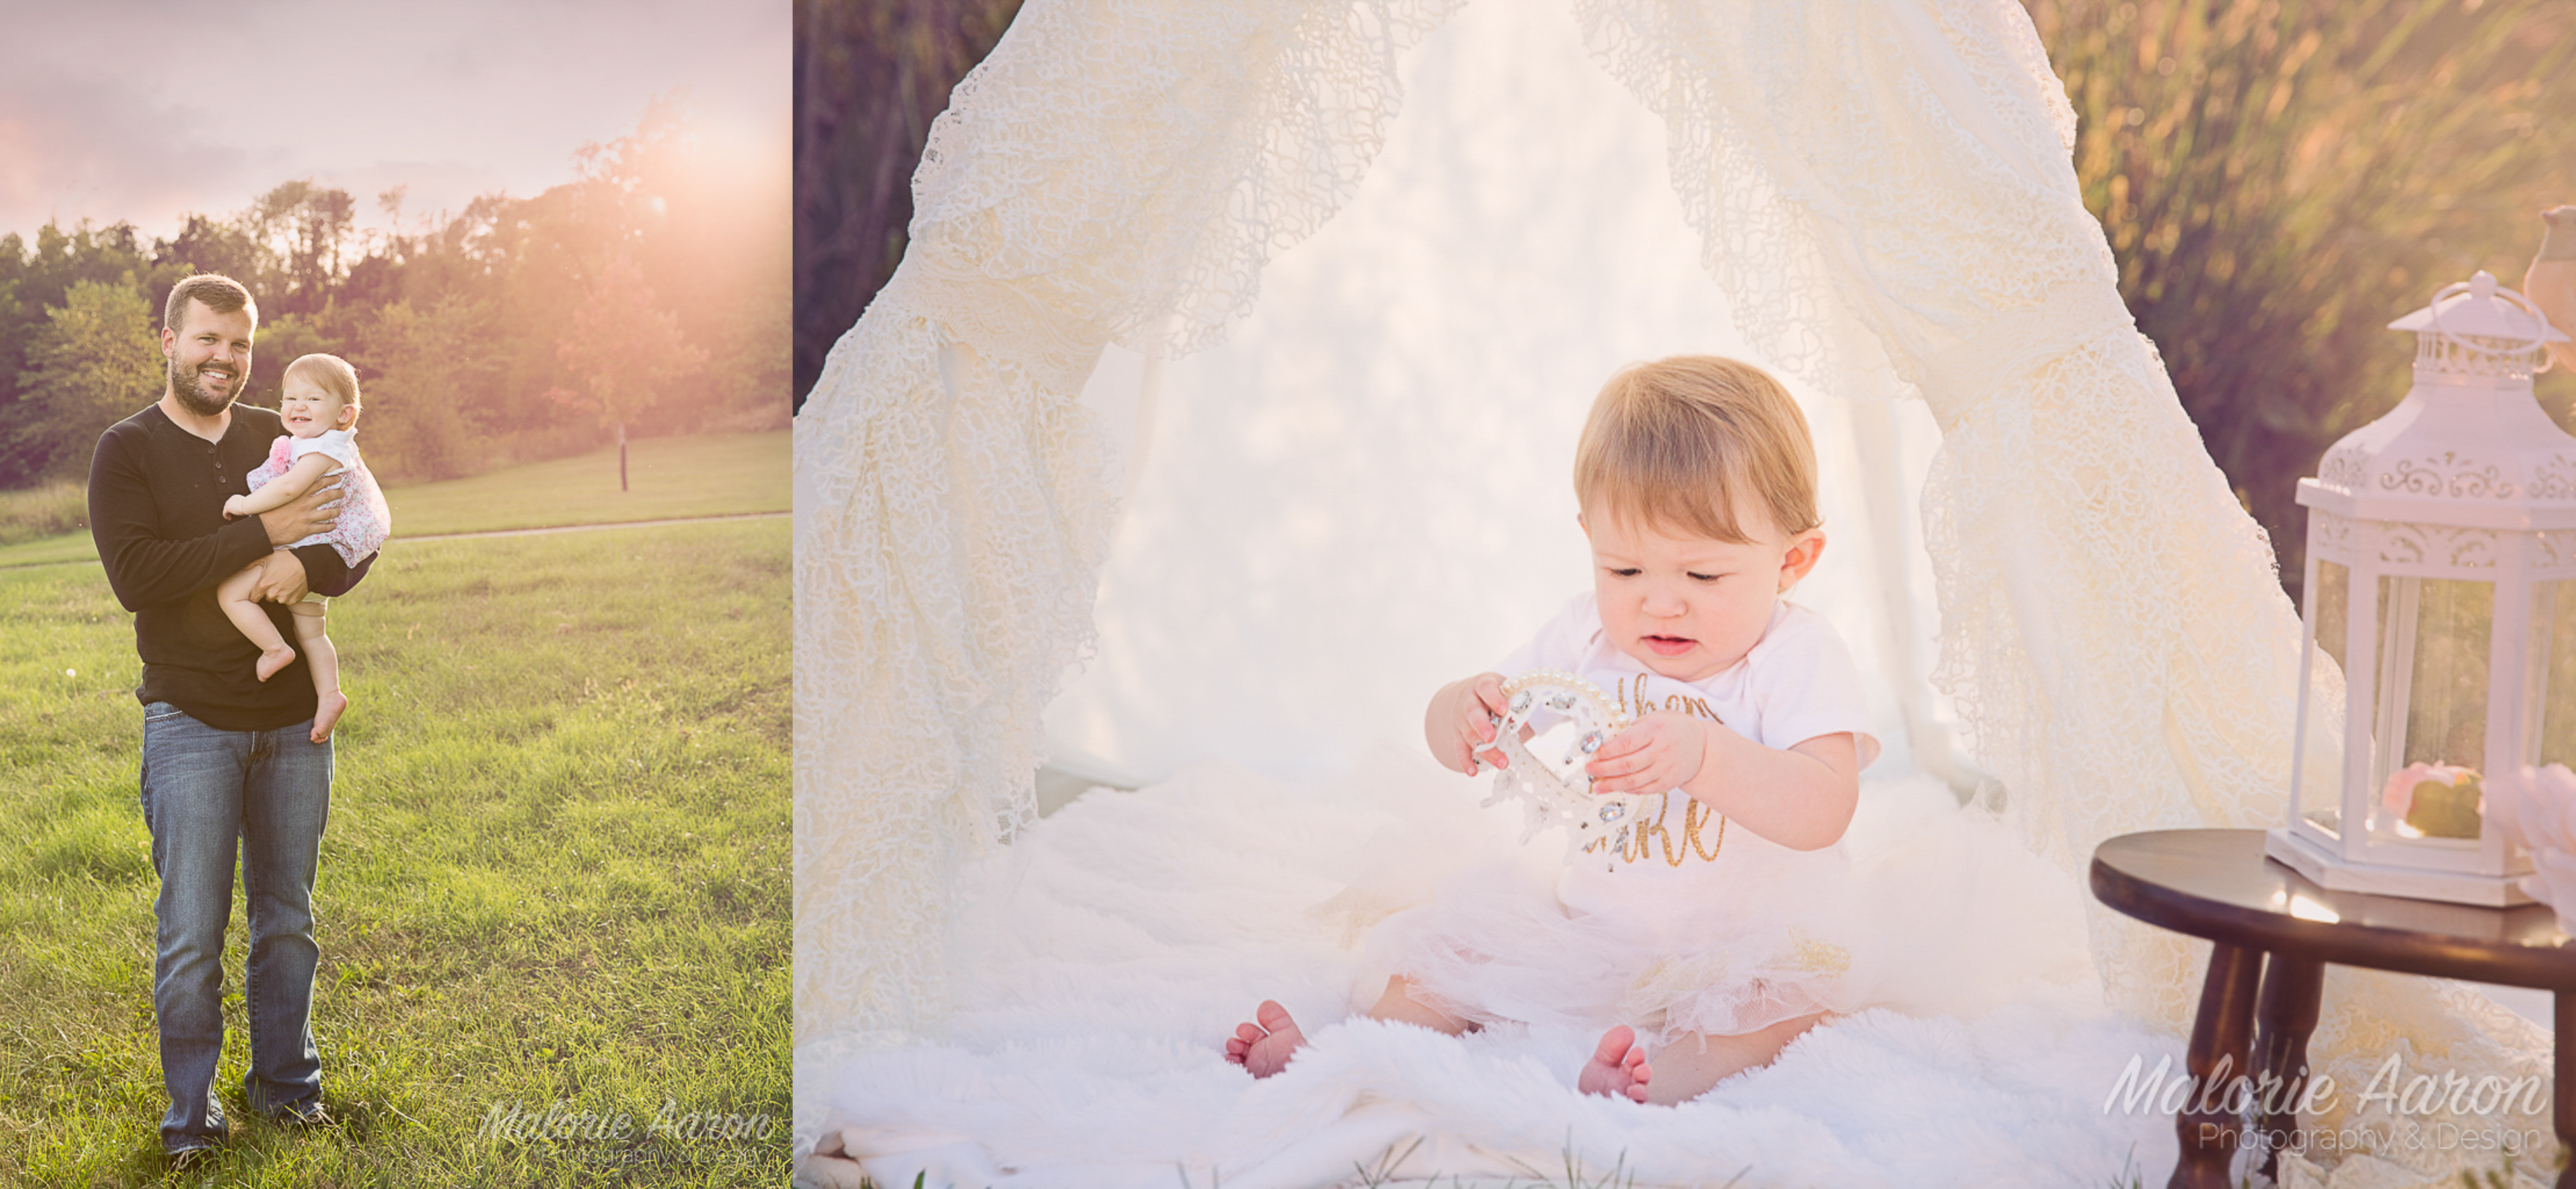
227 760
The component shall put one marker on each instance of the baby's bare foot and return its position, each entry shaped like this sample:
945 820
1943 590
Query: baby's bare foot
326 714
1617 1068
1264 1048
272 660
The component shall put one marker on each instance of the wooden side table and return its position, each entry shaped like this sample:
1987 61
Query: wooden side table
2274 931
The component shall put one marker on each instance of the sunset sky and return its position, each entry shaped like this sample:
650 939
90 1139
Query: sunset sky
146 110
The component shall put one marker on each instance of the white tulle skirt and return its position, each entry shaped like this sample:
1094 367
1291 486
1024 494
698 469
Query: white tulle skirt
1495 945
1922 908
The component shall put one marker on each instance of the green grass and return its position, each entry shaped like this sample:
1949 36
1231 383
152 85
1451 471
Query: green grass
668 479
47 551
713 475
556 871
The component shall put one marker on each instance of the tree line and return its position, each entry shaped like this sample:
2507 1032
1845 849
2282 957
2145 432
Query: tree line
648 295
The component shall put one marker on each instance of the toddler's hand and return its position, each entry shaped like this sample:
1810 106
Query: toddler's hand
1474 705
232 505
1661 751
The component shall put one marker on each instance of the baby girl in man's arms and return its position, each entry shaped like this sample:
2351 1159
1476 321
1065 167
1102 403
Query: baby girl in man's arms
318 402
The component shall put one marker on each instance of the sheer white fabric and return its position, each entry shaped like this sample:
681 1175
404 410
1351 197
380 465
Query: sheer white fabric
1112 170
1883 189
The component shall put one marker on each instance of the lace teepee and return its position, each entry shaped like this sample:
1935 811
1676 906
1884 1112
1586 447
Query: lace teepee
1883 189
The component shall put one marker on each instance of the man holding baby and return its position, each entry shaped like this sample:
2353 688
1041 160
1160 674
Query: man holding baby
226 758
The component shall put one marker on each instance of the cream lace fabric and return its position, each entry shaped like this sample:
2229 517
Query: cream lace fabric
1883 189
1113 171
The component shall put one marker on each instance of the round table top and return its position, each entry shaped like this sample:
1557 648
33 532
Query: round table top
2219 885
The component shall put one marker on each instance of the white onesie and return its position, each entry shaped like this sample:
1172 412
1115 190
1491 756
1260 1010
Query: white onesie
1696 925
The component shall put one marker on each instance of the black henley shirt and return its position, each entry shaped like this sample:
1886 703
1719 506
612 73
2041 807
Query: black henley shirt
156 511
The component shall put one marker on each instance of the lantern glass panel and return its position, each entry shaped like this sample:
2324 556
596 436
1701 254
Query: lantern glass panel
2433 643
2322 734
2550 698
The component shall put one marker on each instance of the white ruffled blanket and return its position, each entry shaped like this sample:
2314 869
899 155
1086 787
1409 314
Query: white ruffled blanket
1106 954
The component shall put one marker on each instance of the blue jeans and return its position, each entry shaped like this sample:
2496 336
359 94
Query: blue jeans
204 791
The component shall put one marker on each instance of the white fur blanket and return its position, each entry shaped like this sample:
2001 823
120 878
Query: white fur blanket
1106 954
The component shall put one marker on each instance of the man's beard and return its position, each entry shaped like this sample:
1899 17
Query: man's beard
192 395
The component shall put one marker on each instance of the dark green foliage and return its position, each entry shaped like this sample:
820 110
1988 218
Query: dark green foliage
83 365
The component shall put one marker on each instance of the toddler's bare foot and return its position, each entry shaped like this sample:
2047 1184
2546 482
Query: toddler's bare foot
326 714
1264 1048
1617 1068
274 659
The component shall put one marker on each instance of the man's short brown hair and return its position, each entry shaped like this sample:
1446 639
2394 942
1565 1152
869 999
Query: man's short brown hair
218 293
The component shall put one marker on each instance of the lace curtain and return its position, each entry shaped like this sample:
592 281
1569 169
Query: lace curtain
1112 172
1884 191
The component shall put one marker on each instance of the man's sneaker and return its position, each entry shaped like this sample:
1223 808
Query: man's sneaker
303 1114
183 1159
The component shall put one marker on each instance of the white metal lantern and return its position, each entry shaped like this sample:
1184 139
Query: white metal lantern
2440 614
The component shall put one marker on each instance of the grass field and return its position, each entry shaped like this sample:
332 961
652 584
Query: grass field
713 475
555 878
710 475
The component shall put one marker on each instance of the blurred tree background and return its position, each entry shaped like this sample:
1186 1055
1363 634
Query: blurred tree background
2279 179
870 76
464 327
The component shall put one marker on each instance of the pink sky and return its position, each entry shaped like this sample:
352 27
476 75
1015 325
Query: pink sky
146 110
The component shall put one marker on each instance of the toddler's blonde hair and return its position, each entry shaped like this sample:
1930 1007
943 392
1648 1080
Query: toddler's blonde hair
1679 442
331 374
